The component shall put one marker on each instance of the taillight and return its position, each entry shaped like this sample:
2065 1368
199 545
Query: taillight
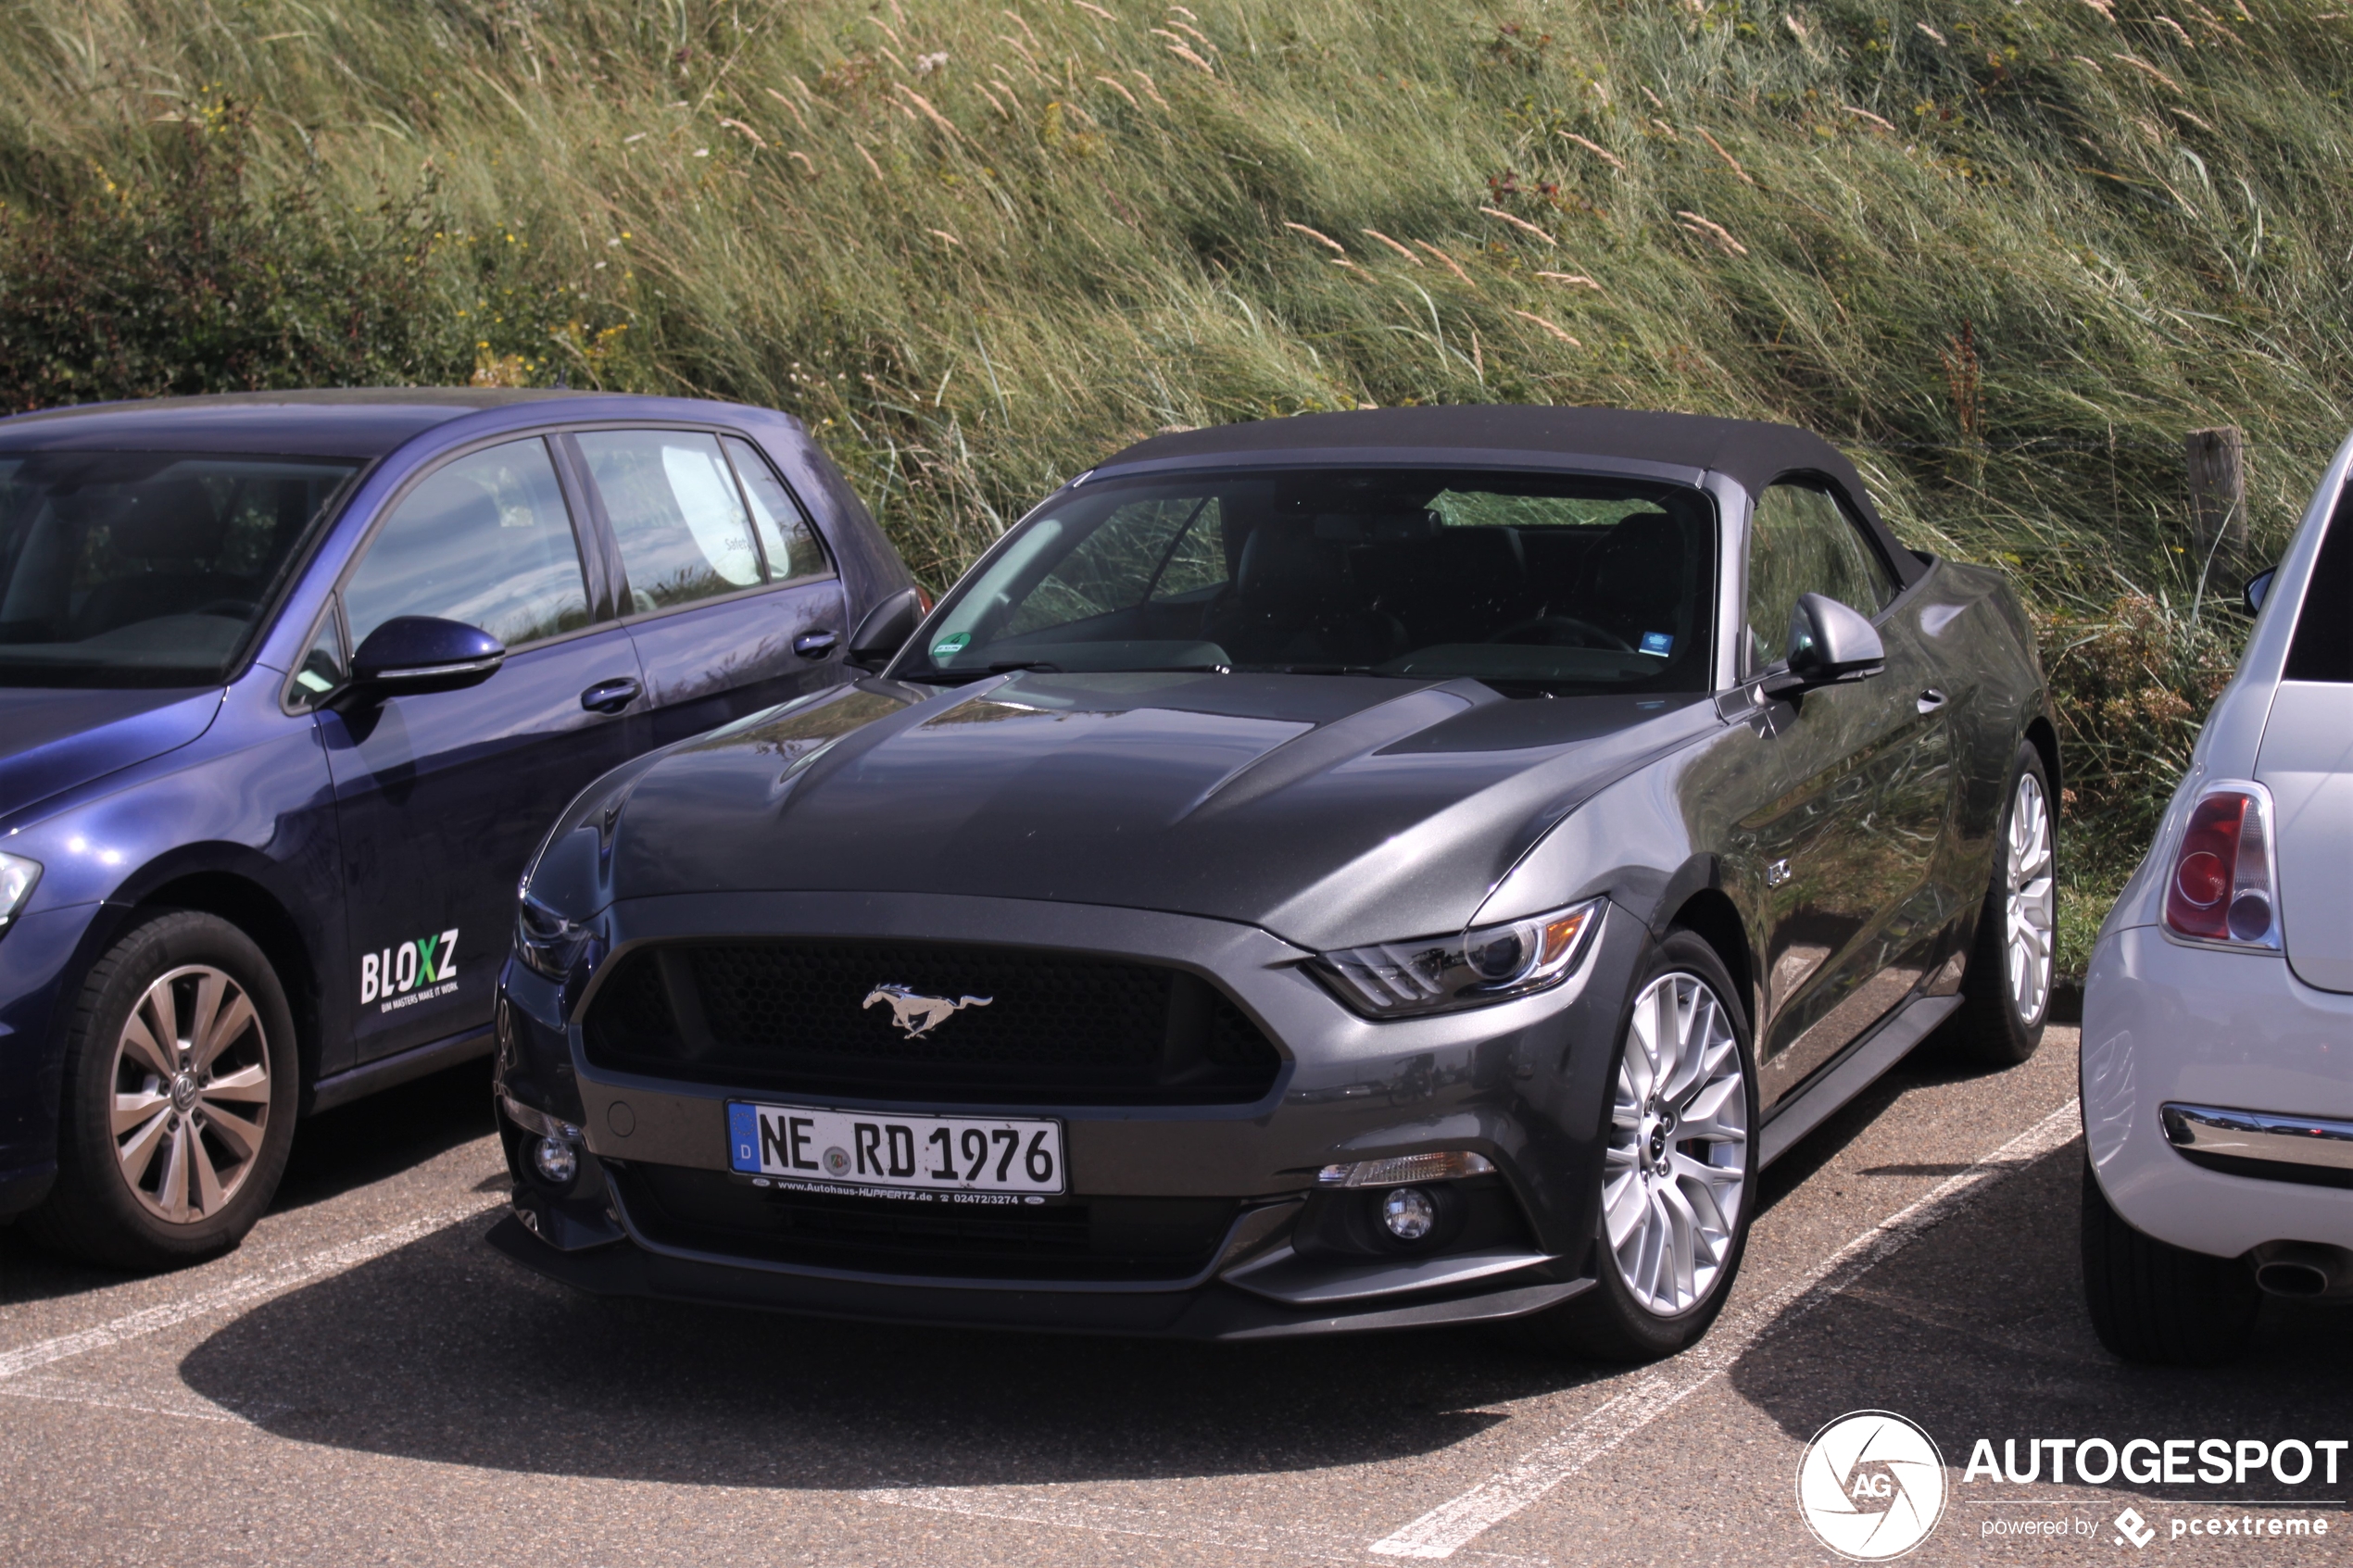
2221 886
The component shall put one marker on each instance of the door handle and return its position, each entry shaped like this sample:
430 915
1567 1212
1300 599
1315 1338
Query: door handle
815 644
1931 700
611 696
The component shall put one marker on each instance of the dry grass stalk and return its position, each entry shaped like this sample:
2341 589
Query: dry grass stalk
1197 34
805 163
1394 245
1317 235
1599 151
1887 125
1725 156
869 157
1150 91
1444 260
756 139
1708 229
2194 120
2105 7
1530 316
1576 279
930 113
1023 23
2145 66
1119 87
946 235
2178 31
1520 223
1191 58
790 108
1002 112
1098 10
1665 130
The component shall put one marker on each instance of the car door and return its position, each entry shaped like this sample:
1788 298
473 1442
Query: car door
440 799
1859 788
730 597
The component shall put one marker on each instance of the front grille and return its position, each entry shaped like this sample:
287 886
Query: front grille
808 1018
1100 1239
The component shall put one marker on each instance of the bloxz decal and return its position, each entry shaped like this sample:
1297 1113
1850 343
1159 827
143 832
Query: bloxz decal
417 971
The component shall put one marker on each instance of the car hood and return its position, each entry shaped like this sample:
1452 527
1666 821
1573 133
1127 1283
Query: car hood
52 739
1328 810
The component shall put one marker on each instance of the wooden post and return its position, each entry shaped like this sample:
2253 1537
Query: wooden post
2218 487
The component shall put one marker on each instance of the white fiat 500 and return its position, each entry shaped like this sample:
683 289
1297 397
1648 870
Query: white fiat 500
2218 1015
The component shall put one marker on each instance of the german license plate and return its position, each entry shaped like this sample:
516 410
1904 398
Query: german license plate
800 1145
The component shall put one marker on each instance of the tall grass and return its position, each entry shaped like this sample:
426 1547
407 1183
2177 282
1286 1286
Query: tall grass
2007 253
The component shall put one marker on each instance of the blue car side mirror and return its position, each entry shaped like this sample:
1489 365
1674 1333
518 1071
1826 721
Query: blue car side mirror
413 654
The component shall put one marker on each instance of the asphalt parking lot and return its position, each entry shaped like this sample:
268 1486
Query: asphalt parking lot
366 1382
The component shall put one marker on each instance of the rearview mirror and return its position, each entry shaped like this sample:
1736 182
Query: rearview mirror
2258 588
1828 644
413 654
886 630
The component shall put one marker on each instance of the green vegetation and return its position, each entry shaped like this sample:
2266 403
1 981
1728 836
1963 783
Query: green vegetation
2007 253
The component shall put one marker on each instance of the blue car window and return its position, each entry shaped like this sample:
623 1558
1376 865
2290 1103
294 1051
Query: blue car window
790 543
676 514
146 568
484 540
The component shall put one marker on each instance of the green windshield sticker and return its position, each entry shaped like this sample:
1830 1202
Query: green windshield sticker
953 643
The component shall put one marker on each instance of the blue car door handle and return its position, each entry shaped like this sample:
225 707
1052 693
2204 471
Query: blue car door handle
611 696
814 645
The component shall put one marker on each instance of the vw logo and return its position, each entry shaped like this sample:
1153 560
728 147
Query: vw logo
1871 1485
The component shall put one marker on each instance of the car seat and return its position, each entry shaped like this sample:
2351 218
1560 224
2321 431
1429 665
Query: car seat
1295 600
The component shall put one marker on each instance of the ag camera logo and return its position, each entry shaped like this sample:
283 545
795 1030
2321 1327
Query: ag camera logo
1871 1485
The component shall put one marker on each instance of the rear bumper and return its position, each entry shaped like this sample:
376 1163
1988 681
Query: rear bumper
1214 1310
2198 1066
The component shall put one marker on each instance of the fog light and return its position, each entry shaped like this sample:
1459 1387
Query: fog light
556 1160
1409 1214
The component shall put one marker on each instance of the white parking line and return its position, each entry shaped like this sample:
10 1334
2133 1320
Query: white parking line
1447 1528
237 1293
177 1402
1026 1507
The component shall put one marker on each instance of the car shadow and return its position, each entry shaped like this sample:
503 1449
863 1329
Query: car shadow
1979 1329
446 1352
333 1152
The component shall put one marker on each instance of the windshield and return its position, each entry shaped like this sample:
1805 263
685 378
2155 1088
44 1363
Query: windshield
1545 582
146 569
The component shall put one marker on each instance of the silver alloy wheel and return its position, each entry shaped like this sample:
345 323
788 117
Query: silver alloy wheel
2030 898
191 1094
1675 1177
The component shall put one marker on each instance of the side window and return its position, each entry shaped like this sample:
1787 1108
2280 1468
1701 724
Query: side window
675 513
2322 649
323 666
484 540
1799 542
1115 566
785 537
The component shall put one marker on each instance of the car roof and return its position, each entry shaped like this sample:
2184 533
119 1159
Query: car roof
1753 453
341 422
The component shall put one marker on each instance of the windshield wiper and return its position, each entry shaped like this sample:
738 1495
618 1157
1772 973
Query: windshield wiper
1317 670
1006 666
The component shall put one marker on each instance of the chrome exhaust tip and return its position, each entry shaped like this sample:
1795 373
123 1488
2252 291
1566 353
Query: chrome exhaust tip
2304 1271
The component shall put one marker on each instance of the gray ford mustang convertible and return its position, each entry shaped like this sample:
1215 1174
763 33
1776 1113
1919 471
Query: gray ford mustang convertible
1350 871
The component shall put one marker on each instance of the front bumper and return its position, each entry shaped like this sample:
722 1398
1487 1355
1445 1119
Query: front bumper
1523 1082
2196 1062
35 957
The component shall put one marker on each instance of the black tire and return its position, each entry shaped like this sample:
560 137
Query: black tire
1991 1028
2155 1302
93 1211
1609 1321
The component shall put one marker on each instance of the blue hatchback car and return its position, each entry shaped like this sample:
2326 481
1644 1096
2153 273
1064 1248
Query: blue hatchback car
291 685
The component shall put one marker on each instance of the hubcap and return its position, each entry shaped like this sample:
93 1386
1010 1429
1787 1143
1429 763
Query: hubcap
191 1094
1675 1179
2030 898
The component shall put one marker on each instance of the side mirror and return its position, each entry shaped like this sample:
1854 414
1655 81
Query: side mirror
2258 589
1828 644
413 654
886 630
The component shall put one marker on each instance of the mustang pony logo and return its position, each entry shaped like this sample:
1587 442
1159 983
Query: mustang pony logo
918 1014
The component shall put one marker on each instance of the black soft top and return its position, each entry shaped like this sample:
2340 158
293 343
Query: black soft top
1751 453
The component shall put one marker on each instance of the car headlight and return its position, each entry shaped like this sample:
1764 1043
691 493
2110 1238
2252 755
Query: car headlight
545 941
18 878
1488 963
